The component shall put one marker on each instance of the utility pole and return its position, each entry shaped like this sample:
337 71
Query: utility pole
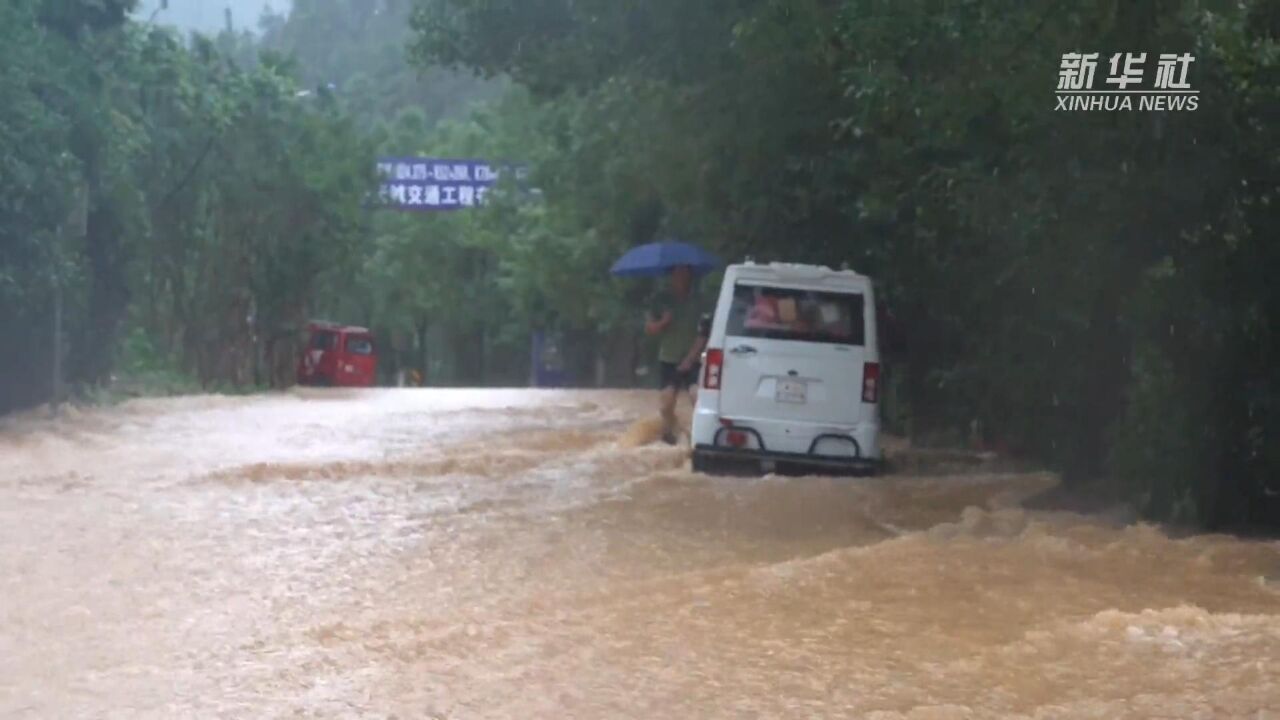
162 5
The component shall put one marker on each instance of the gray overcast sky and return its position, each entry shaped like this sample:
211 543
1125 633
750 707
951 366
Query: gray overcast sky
207 15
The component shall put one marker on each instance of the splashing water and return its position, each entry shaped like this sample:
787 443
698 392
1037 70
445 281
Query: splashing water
469 554
645 431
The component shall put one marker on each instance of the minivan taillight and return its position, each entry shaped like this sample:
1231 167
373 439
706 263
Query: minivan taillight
870 382
715 366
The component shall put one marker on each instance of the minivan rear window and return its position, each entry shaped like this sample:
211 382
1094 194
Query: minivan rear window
822 316
324 341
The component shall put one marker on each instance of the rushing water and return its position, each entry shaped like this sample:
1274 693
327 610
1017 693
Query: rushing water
520 554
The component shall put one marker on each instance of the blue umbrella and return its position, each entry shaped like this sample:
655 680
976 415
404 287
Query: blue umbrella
660 257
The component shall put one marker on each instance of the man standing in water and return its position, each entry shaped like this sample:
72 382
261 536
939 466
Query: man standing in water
683 337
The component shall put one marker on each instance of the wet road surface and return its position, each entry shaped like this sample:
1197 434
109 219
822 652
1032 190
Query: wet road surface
524 554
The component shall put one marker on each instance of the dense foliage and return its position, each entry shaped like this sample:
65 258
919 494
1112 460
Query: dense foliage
358 48
164 191
1088 289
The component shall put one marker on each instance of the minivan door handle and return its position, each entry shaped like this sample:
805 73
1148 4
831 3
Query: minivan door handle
743 350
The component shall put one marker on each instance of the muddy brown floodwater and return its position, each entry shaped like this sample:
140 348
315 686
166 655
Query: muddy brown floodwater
524 554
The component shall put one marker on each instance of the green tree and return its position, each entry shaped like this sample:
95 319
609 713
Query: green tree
1035 260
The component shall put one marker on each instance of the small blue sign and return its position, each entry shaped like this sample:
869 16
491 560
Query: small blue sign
435 184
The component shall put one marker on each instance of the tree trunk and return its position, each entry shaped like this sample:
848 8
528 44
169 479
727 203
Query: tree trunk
481 357
108 297
424 360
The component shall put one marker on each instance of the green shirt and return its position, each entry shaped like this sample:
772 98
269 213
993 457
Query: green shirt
681 333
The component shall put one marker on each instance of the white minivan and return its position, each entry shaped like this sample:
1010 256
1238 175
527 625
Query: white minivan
791 374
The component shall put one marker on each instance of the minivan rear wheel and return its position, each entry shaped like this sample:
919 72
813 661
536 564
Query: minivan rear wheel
704 464
718 465
699 462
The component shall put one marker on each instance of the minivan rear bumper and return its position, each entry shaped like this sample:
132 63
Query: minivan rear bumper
785 461
845 448
718 454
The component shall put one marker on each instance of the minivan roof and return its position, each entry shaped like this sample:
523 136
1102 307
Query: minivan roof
337 327
794 272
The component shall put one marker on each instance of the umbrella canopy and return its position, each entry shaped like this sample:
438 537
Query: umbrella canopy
660 257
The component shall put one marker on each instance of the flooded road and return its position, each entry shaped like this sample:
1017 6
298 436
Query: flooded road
521 554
